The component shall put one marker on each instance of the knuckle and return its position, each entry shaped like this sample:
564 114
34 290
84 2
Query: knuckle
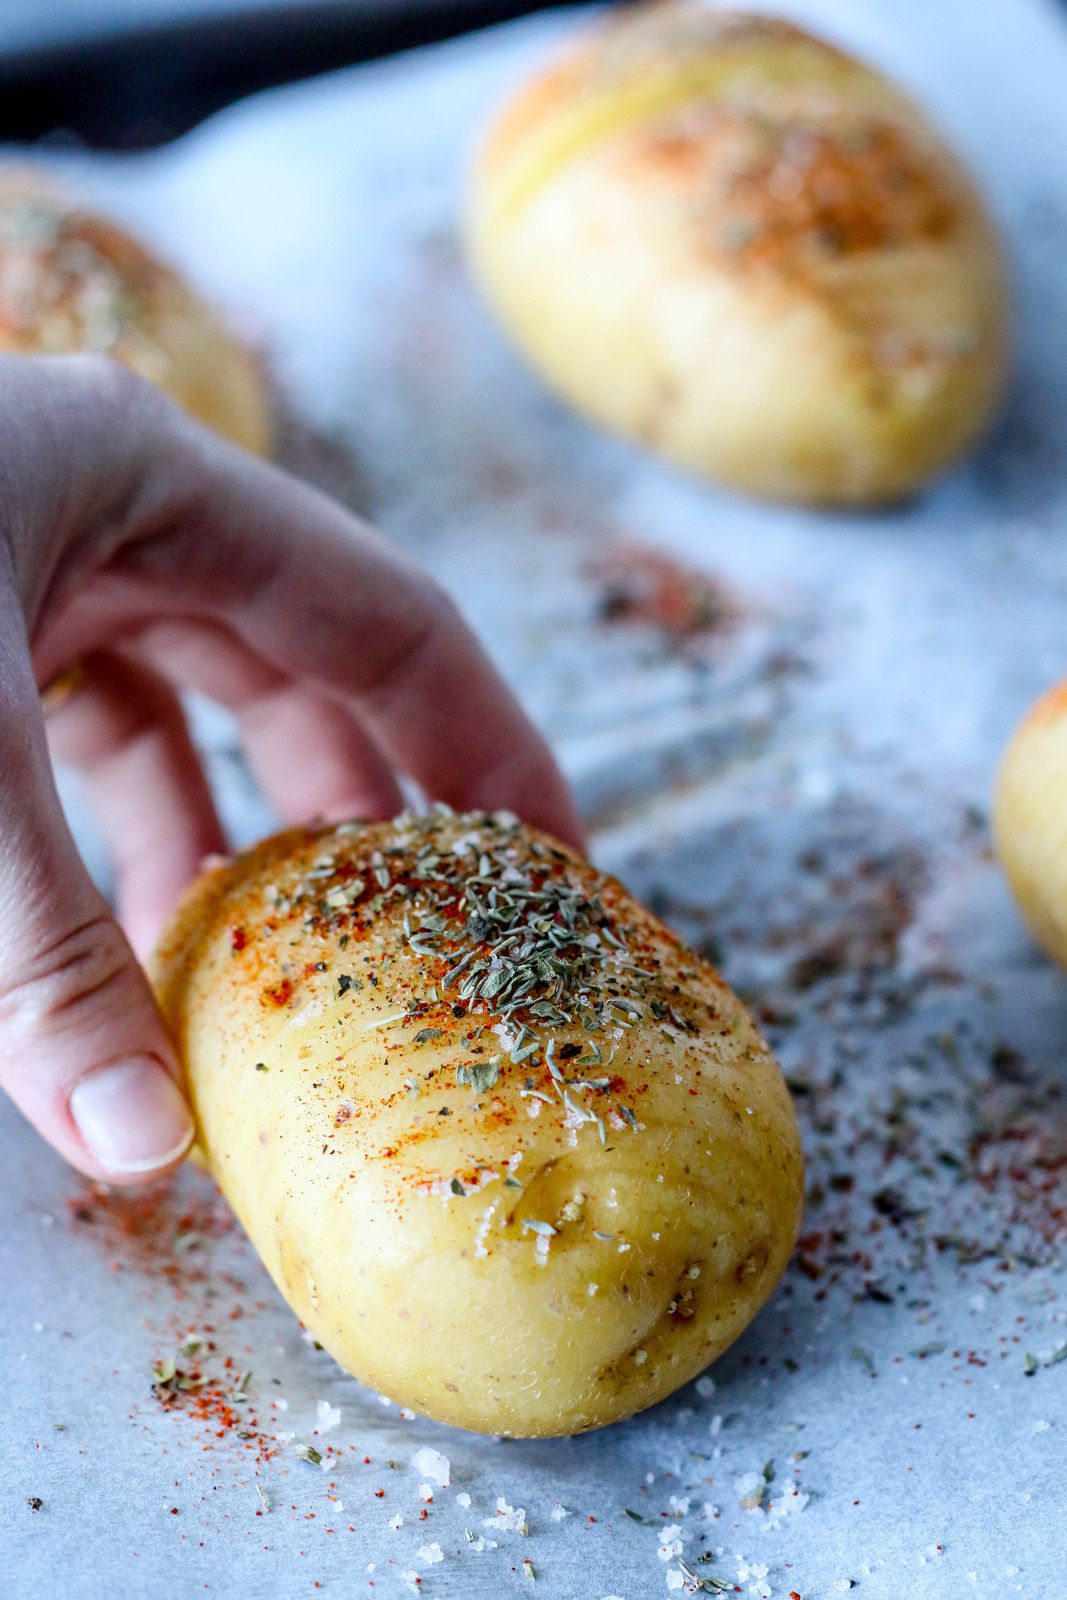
104 378
109 390
83 379
404 650
54 990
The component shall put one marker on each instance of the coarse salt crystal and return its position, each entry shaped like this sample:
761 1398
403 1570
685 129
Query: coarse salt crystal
558 1512
433 1465
430 1554
463 1499
395 1522
670 1542
790 1502
705 1387
675 1580
308 1014
328 1416
510 1518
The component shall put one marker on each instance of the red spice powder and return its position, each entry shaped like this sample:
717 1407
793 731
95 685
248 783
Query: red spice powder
642 587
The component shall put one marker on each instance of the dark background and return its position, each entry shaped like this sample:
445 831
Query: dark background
130 74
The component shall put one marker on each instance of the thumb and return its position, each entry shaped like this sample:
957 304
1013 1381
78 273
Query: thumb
83 1050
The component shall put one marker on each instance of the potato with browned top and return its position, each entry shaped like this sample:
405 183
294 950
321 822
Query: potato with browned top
723 237
71 281
516 1156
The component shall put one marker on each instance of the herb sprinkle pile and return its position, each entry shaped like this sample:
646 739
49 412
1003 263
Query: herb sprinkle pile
520 945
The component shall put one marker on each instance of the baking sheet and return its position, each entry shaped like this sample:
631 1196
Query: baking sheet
782 728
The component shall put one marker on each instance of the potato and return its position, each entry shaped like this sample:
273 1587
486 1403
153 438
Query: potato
719 236
1030 819
516 1157
71 281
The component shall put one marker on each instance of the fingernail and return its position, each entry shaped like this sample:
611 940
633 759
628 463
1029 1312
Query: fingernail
132 1116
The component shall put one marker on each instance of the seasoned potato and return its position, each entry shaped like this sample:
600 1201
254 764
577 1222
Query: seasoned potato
1030 820
516 1156
71 281
722 237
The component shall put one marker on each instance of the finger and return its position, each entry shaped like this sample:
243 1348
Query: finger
122 727
83 1050
313 758
325 600
310 754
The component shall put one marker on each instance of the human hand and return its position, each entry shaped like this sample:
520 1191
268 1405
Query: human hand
148 556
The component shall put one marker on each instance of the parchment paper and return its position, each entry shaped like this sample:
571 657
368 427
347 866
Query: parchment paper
786 743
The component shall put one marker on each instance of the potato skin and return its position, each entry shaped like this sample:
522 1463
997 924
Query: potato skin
1030 819
717 235
71 281
390 1189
